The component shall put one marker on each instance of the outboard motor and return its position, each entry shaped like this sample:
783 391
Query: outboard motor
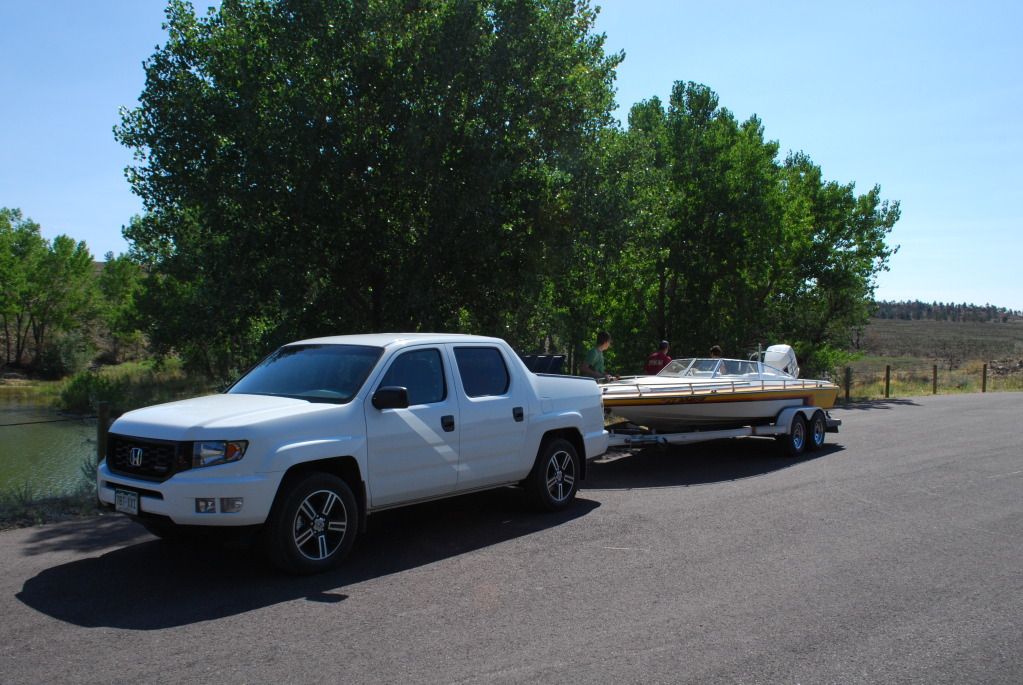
783 358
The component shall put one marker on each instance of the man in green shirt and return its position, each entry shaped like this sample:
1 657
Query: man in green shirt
593 363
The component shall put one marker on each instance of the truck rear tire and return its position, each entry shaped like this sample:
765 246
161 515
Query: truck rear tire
553 482
312 525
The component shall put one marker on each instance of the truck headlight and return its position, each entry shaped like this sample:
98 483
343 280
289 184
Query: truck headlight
213 452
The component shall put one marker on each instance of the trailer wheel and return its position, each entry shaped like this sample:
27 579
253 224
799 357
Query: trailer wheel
794 442
313 524
818 429
553 482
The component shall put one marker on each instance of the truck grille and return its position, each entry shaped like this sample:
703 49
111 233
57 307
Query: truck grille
158 459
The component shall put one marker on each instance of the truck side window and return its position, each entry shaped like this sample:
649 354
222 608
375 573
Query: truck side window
421 373
483 371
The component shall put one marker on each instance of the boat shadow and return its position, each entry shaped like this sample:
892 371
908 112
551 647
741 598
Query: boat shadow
715 461
151 584
867 405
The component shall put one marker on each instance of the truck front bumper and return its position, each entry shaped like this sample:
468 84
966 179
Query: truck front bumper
179 497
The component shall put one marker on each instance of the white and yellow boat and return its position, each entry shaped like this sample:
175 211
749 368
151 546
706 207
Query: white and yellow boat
704 393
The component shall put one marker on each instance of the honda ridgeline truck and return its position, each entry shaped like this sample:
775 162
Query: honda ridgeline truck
322 433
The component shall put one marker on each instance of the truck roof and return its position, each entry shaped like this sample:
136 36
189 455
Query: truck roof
396 339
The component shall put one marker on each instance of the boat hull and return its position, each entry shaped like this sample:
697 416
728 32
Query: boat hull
693 410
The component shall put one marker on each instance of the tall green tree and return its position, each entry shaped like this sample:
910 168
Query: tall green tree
719 242
313 166
120 284
22 250
47 288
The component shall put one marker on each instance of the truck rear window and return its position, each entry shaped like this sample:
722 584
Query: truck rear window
482 370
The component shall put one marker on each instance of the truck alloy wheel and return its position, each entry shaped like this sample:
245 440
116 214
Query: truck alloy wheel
314 524
553 482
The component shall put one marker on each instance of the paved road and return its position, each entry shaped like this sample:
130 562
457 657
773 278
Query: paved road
893 556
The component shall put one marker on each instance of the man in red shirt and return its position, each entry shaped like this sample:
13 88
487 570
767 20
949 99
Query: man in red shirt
657 360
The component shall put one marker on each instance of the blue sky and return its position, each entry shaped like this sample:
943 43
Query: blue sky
921 98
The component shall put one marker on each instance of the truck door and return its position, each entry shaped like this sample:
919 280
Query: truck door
493 403
413 451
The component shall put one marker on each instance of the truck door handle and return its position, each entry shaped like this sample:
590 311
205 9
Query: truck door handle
447 423
518 414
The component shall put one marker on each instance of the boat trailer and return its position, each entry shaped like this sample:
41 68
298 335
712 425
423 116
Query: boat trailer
795 423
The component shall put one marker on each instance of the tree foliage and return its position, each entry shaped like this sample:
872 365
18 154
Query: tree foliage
332 166
321 166
47 290
720 243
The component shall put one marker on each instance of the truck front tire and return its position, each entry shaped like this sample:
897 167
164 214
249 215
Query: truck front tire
312 525
553 482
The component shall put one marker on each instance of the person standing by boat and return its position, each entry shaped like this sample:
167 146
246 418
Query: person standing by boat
715 352
593 363
657 360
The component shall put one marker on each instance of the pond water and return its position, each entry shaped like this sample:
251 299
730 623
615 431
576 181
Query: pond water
43 450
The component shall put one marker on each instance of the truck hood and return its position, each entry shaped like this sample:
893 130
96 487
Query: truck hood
195 418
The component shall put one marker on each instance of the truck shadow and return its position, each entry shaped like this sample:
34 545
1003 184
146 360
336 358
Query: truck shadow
152 584
698 464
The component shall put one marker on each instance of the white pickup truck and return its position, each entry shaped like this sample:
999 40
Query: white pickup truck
324 432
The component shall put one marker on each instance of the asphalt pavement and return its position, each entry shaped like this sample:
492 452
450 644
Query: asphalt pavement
893 555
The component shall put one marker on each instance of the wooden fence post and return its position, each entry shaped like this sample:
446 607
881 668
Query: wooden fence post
934 380
848 382
983 380
102 425
887 380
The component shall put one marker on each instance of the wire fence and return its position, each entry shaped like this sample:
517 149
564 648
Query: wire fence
871 381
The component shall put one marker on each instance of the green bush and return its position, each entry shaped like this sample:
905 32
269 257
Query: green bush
824 362
87 389
131 385
66 355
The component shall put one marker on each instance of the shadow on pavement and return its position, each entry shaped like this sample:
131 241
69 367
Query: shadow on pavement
699 464
866 405
154 584
86 535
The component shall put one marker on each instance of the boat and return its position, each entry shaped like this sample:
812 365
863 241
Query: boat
709 393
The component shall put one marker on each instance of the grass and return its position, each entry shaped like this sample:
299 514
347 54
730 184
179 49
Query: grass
958 349
911 376
44 393
942 340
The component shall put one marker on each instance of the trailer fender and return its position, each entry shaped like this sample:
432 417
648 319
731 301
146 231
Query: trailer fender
784 419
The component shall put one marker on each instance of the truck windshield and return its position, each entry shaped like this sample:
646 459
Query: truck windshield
316 373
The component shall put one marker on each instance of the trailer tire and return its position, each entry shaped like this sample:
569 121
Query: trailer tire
794 442
817 430
554 480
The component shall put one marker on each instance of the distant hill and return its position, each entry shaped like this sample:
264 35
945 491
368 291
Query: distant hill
963 340
942 311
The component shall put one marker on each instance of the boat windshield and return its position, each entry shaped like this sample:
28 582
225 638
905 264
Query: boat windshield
315 373
690 368
676 367
710 368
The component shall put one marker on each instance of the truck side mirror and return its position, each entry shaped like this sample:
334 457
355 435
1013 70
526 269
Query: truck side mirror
391 397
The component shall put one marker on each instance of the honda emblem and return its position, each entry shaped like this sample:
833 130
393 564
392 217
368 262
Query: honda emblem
135 456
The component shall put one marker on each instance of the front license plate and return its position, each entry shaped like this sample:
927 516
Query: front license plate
126 501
